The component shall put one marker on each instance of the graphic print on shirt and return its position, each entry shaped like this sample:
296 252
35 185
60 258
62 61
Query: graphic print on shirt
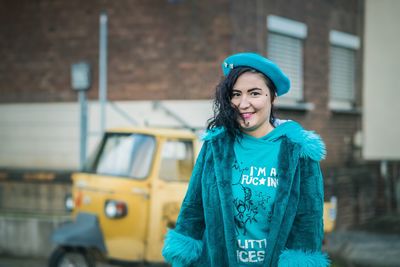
254 190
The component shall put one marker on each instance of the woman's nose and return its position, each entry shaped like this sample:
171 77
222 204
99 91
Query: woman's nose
244 102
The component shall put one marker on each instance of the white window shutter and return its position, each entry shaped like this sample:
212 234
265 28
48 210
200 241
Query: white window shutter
287 52
342 74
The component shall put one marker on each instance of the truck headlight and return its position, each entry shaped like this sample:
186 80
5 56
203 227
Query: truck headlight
69 203
115 209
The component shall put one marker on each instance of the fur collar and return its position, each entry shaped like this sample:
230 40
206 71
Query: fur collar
311 143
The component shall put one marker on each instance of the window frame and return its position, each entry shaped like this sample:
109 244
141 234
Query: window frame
297 30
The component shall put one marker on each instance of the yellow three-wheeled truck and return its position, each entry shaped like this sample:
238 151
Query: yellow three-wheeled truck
127 196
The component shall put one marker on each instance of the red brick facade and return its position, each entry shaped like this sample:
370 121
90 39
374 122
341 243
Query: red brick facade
156 49
164 49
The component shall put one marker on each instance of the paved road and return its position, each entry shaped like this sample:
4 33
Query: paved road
23 262
12 262
365 249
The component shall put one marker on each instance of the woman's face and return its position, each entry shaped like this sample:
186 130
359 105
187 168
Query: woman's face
252 98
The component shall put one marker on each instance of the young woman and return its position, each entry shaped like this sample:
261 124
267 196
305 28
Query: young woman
255 197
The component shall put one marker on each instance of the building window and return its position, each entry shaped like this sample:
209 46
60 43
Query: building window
342 72
285 48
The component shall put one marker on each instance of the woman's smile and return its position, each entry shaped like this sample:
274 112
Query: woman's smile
247 115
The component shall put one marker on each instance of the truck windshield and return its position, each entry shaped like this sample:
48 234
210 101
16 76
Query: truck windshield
127 155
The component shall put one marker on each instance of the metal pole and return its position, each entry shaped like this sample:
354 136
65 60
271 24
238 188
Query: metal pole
83 121
103 70
385 175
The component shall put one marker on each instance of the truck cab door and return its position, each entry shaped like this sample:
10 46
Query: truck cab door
175 167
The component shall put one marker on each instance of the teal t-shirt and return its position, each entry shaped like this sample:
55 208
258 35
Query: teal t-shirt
255 178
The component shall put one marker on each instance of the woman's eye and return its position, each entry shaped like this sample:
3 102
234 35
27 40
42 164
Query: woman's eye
235 95
255 93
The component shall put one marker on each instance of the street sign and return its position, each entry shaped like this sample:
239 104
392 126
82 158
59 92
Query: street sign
80 76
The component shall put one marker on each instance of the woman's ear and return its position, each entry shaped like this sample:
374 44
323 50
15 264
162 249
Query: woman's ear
273 98
276 96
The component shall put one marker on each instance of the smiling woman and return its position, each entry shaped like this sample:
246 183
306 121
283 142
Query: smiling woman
253 99
255 196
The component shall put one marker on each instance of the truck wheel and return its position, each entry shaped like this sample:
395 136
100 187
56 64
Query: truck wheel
66 257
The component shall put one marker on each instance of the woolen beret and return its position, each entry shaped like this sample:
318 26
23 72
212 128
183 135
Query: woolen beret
261 64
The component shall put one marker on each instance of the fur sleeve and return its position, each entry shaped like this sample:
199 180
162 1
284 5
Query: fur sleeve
181 250
299 258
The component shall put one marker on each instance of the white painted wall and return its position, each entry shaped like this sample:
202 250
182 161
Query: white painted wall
46 135
28 236
381 97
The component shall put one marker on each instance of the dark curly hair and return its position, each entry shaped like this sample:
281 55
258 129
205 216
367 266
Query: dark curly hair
225 115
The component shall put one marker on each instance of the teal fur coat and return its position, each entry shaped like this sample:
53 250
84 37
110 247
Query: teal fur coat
205 233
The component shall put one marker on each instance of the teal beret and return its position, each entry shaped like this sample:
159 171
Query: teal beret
261 64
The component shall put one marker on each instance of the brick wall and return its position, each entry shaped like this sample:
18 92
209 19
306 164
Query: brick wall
162 49
320 17
157 49
352 181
